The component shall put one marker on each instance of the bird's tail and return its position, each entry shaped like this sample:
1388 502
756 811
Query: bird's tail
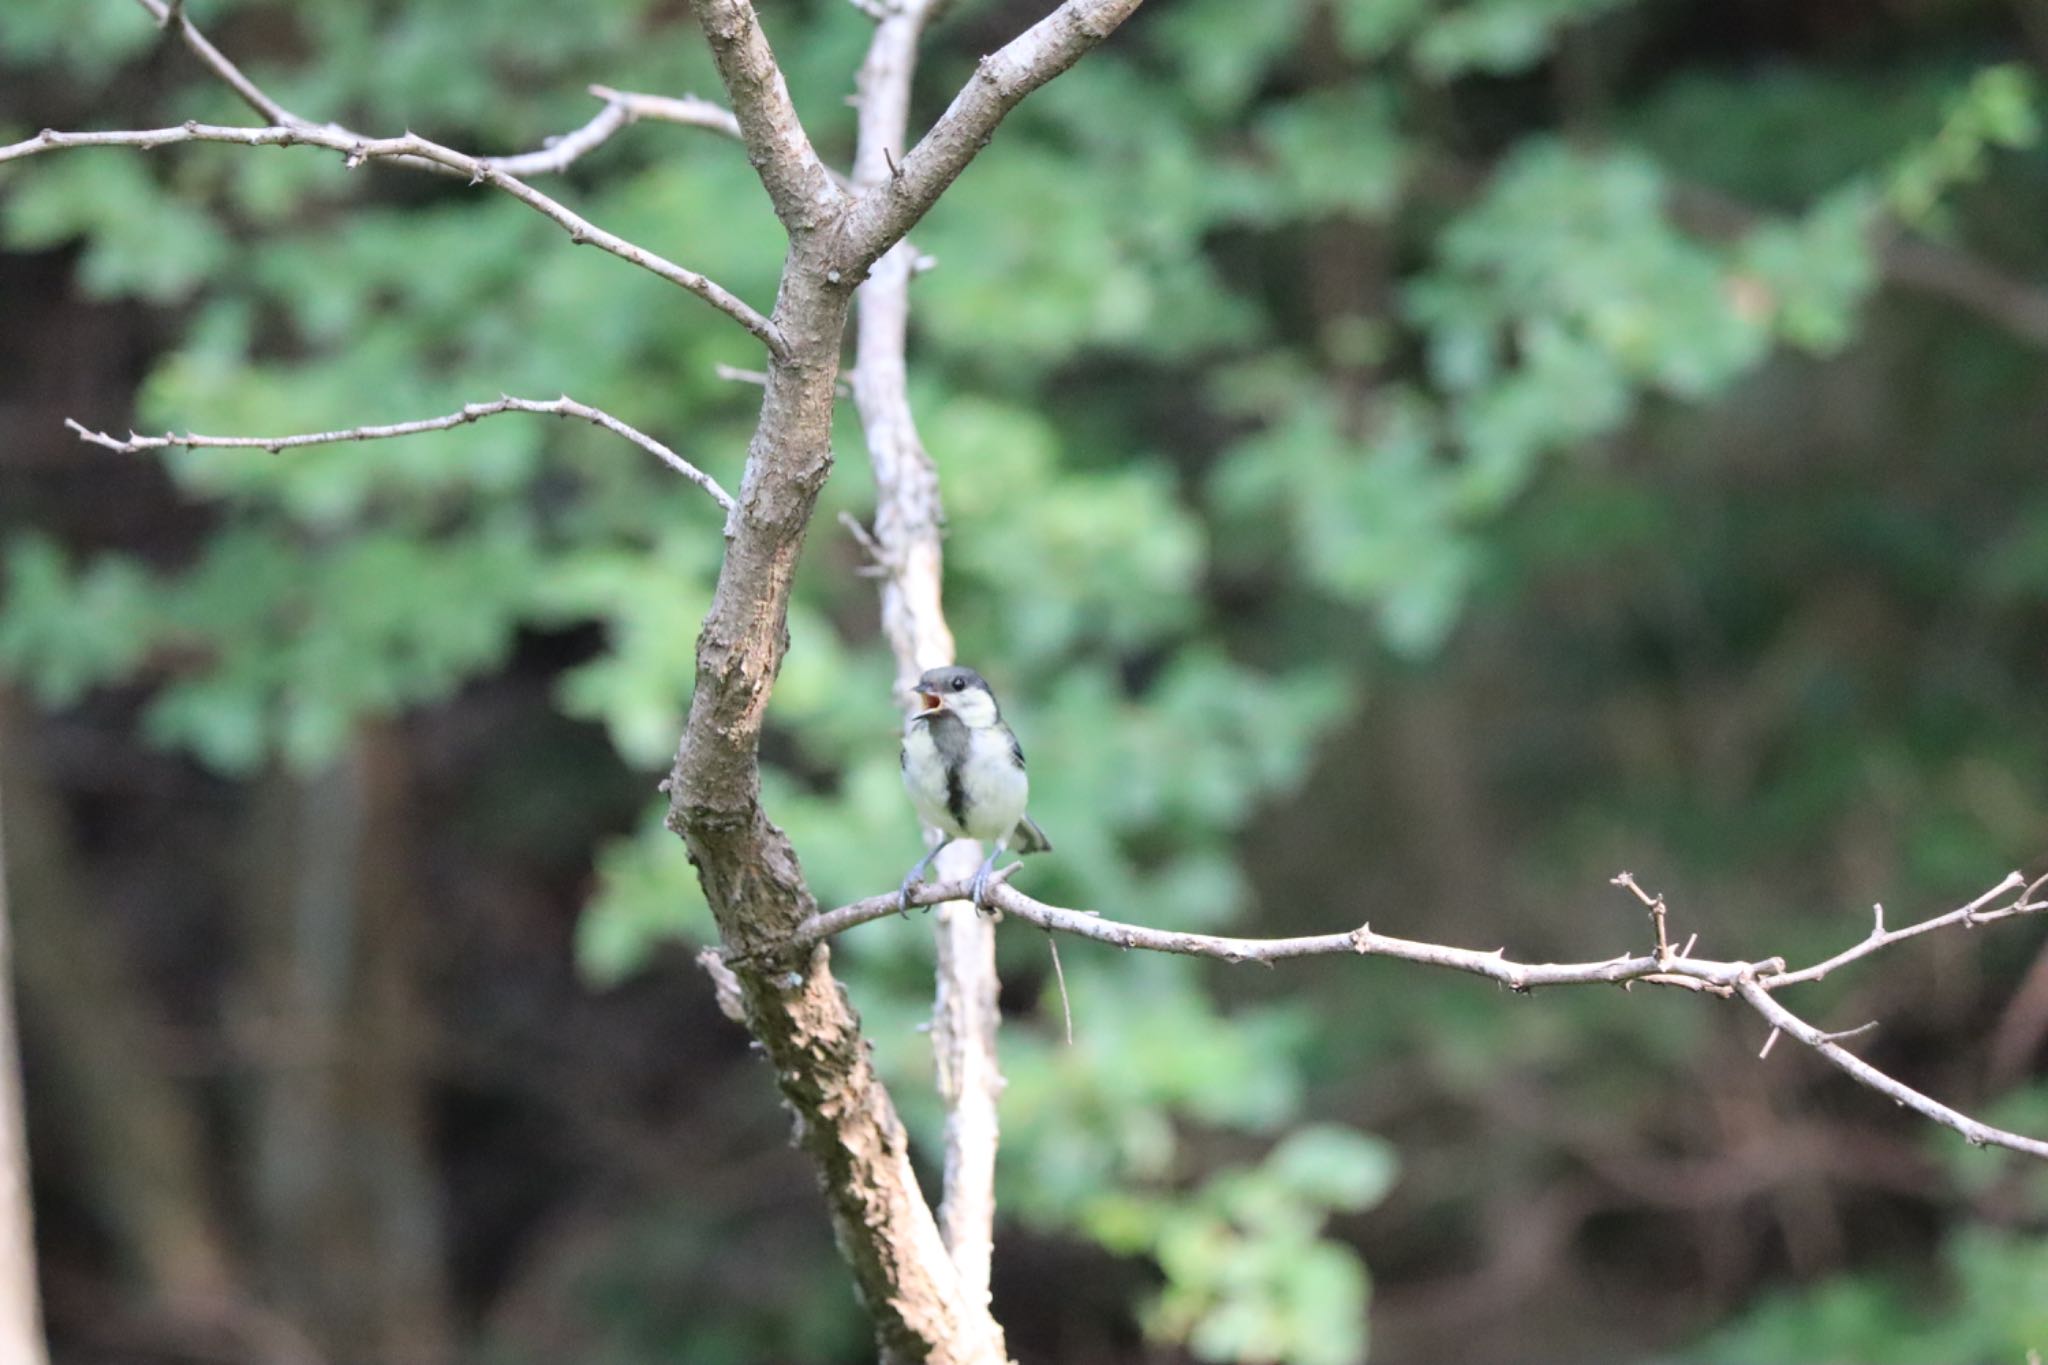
1029 838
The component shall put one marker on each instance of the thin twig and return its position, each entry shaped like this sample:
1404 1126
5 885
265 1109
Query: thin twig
1753 982
688 110
172 16
564 406
725 987
289 129
1880 937
878 565
411 147
1059 975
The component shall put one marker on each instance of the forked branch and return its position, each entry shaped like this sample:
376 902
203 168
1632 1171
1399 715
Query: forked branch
889 210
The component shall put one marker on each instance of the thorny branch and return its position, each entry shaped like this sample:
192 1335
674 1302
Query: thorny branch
564 406
1755 983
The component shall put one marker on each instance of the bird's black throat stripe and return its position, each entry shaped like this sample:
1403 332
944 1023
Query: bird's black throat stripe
950 738
956 795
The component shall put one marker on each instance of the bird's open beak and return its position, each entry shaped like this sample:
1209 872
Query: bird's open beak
930 703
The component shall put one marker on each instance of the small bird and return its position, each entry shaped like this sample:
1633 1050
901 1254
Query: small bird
964 771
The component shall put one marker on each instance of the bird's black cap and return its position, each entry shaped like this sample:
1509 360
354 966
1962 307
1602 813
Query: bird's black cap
958 678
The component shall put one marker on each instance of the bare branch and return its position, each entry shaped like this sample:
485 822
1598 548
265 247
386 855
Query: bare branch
1880 937
172 17
1754 982
621 109
725 987
1760 998
803 191
564 406
906 538
888 210
21 1327
562 152
289 129
688 110
412 148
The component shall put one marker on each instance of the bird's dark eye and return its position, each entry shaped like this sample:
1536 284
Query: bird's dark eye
959 684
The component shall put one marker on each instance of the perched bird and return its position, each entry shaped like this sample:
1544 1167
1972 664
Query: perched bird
964 771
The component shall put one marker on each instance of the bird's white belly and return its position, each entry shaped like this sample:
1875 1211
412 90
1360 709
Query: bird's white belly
995 789
924 777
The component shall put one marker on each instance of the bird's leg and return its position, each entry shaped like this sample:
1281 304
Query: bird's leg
910 879
983 875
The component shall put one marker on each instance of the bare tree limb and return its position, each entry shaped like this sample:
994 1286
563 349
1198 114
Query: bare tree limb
564 406
21 1317
411 147
906 539
804 192
809 1032
1974 913
688 110
172 18
289 129
1753 982
621 110
887 211
1828 1045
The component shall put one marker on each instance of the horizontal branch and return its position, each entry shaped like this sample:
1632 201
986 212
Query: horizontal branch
412 147
886 212
1753 982
564 406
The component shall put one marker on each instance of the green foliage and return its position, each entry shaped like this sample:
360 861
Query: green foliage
1995 111
67 631
1247 1277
